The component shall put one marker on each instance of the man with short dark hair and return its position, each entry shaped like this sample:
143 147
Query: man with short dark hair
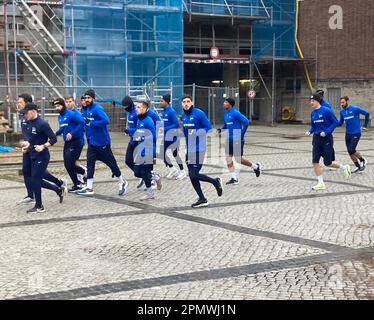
350 114
195 128
70 104
236 124
323 123
144 138
99 147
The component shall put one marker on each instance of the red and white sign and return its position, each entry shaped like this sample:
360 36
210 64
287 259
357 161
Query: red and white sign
214 53
251 94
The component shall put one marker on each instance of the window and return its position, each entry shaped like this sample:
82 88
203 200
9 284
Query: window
333 96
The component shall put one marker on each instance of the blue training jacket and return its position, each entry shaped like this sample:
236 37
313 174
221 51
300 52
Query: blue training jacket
351 116
195 127
84 115
325 103
76 111
171 123
96 128
145 134
71 122
236 124
323 120
154 116
132 119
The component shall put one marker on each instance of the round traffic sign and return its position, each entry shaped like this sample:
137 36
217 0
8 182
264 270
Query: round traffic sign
251 94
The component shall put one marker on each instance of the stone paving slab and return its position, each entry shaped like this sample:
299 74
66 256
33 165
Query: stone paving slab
267 238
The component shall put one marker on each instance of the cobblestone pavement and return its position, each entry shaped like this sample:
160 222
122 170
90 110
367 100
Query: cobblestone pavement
267 238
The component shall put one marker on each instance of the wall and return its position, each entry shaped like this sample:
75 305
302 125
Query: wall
345 53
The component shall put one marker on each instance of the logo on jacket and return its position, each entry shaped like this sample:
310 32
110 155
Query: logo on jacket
33 130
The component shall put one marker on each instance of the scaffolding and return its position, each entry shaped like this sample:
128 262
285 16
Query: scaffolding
128 43
137 44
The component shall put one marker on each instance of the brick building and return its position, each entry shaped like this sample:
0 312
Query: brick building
342 42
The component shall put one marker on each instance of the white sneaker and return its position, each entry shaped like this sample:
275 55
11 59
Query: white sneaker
157 179
173 171
25 200
181 175
147 196
319 186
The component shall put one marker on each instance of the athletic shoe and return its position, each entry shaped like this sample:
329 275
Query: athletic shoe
347 171
36 210
124 186
158 182
147 196
140 184
64 186
232 181
173 171
219 186
25 200
200 203
357 170
181 175
258 170
363 165
75 189
86 192
319 186
365 162
61 194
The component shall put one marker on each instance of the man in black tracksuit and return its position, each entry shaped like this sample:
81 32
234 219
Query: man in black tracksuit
40 137
50 181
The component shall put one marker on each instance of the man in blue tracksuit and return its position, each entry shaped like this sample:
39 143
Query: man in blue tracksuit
323 123
40 138
351 116
195 128
99 144
71 128
49 181
70 104
171 139
236 125
132 120
144 139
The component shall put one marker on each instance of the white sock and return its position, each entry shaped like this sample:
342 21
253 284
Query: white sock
320 179
120 180
254 166
89 183
233 175
150 191
155 177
